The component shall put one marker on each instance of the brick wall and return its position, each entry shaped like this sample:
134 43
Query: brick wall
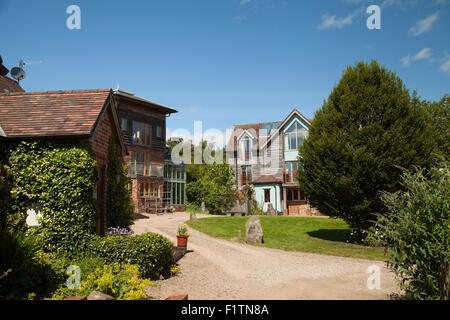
301 209
99 143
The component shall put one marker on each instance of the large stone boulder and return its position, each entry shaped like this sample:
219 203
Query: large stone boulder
97 295
253 230
192 216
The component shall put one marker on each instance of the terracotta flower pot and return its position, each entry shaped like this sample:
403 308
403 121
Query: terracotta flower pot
182 241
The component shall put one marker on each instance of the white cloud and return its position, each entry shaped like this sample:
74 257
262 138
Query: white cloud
406 61
244 2
331 21
424 25
425 53
422 54
445 67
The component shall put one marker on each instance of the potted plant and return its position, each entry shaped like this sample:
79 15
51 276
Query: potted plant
182 235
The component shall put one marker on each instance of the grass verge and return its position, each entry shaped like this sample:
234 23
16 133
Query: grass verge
305 234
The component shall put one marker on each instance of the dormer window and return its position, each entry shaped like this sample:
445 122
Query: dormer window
293 138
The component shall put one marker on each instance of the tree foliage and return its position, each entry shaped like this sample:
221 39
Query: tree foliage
119 204
417 232
369 124
440 112
214 187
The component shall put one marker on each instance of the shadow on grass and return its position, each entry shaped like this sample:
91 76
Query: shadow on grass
338 235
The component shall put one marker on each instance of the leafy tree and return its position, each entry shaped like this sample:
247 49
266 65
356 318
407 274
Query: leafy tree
217 181
369 124
119 205
214 188
417 233
440 112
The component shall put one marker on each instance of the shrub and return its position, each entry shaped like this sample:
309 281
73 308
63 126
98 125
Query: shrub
417 233
60 178
119 205
150 251
194 193
120 281
22 273
5 194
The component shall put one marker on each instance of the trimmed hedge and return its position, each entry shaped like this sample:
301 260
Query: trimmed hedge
150 251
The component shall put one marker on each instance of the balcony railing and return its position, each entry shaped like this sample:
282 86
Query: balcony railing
246 179
146 170
290 176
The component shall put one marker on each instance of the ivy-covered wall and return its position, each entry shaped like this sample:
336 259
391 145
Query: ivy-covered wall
60 178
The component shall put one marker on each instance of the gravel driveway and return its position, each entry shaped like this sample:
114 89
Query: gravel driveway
221 269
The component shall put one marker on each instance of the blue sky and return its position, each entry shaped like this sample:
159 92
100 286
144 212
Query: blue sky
225 61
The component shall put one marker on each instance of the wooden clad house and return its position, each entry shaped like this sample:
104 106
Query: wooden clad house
143 125
265 155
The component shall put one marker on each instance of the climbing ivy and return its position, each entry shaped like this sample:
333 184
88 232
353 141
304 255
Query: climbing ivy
60 179
119 204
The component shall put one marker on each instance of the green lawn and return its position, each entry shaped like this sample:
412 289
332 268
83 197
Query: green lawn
305 234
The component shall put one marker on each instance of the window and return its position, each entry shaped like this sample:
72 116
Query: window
246 175
158 131
295 195
149 190
124 124
140 163
291 166
141 133
245 148
293 138
266 195
290 174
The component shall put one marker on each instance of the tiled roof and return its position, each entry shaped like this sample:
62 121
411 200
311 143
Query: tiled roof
270 178
51 113
9 85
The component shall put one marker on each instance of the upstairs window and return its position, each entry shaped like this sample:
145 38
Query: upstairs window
141 133
158 131
244 148
293 138
124 124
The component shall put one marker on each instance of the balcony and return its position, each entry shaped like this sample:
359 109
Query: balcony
246 179
290 177
146 170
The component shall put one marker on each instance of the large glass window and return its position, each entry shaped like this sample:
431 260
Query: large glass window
246 175
141 133
149 190
293 138
245 148
140 164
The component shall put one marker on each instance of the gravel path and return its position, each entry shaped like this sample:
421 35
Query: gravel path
220 269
